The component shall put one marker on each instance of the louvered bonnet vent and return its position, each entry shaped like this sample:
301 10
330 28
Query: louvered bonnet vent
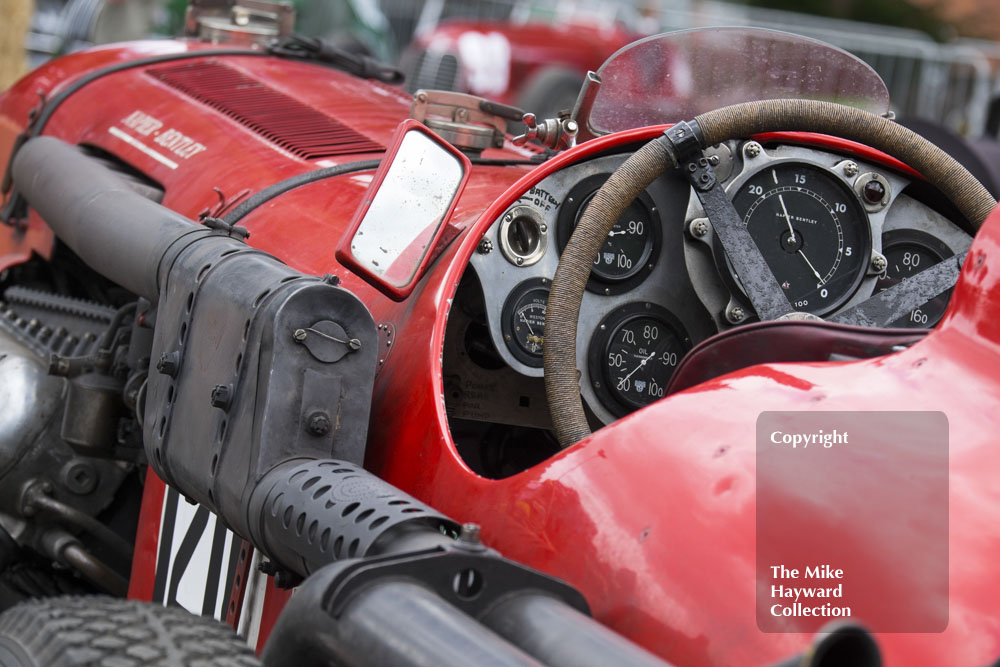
296 127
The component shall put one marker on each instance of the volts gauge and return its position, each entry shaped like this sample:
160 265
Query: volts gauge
523 323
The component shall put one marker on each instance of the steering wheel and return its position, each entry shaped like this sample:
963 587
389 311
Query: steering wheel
741 120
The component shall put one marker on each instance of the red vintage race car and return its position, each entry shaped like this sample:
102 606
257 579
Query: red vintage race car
357 376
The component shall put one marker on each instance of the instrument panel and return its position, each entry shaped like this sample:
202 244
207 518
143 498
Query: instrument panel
833 230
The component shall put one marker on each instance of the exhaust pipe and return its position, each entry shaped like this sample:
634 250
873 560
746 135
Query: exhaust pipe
839 644
408 577
118 233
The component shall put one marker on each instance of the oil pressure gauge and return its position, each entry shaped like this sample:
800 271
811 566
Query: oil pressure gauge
523 323
633 354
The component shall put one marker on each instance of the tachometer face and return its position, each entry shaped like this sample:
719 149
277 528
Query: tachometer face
523 323
633 354
811 230
908 252
629 252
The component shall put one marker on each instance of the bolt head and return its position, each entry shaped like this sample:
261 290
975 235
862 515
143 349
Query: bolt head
222 394
299 335
879 263
737 314
752 149
699 228
851 168
168 363
319 423
471 533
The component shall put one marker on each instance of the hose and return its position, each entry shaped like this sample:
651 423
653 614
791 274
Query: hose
36 499
77 557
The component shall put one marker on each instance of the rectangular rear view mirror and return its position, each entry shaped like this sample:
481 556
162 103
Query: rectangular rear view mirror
405 209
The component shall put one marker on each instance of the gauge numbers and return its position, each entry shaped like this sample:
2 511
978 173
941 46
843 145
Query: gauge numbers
908 252
633 354
523 323
811 230
629 252
628 246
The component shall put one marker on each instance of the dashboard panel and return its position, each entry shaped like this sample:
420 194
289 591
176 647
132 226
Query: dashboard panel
833 230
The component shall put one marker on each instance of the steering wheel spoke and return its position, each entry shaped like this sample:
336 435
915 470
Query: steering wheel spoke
881 309
759 283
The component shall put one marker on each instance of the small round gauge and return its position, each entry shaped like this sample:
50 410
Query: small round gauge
632 355
633 244
523 321
908 252
811 230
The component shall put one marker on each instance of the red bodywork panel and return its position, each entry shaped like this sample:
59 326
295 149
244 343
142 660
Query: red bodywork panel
653 517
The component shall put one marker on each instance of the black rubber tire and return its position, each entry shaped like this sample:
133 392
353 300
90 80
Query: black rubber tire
94 631
550 91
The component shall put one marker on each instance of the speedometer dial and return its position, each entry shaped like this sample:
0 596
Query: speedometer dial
633 354
811 230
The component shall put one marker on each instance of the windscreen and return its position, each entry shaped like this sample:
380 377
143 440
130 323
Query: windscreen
676 76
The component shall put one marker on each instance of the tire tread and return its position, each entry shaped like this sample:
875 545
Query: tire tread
94 631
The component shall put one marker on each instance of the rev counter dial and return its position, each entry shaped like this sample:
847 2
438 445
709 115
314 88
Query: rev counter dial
523 321
812 231
907 253
633 354
630 251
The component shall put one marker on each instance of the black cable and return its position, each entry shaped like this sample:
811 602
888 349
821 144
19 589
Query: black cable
313 48
116 322
67 515
281 187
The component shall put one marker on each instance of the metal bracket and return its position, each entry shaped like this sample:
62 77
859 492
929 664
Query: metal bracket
556 133
466 574
232 231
